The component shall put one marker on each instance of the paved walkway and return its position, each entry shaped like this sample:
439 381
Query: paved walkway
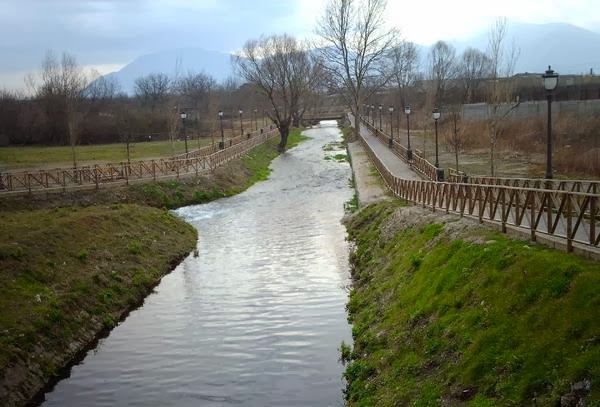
396 166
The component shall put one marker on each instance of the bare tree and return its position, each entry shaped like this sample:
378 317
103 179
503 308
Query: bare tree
153 89
280 67
442 68
355 45
102 88
473 70
404 64
501 88
62 87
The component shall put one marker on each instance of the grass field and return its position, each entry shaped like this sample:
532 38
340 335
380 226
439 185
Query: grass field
13 158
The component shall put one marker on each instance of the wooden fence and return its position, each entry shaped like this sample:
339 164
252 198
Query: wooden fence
62 179
570 215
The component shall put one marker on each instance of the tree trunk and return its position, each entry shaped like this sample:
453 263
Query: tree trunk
284 131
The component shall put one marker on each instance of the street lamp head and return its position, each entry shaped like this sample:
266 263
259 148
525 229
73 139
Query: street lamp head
372 106
391 109
183 115
407 109
241 111
380 107
436 113
220 113
255 110
550 79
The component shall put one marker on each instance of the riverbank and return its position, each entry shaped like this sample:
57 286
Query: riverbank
75 264
447 312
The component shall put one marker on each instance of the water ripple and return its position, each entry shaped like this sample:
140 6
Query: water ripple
256 318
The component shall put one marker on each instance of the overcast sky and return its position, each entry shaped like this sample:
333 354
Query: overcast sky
107 34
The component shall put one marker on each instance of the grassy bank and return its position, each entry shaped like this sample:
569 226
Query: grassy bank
74 264
230 179
448 313
67 274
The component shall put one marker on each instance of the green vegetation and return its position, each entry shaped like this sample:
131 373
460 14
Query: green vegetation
453 314
74 263
68 272
53 156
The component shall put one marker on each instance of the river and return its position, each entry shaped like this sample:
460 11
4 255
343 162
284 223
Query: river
256 319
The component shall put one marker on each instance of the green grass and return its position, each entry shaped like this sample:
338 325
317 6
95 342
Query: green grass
439 319
63 270
59 156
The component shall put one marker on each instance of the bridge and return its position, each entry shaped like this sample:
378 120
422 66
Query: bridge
327 113
560 213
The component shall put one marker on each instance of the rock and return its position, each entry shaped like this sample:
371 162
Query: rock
38 298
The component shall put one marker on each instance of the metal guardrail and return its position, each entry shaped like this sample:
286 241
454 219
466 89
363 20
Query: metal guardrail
570 215
63 179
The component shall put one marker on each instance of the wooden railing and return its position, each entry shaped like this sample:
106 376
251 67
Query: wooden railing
418 163
572 216
587 186
62 179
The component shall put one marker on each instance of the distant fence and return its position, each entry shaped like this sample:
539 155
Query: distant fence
89 177
525 110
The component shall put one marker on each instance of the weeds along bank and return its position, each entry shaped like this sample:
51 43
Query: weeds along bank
446 312
74 265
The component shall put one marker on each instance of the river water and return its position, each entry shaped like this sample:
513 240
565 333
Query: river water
256 319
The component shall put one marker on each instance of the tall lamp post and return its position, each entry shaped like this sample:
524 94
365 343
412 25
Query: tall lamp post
241 124
439 171
391 110
373 115
222 142
550 84
183 116
380 111
255 121
408 150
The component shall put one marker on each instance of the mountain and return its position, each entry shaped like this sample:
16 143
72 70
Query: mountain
568 48
214 63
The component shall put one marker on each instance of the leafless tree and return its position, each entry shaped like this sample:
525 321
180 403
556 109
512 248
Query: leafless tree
153 89
501 88
102 88
281 68
355 45
442 68
404 64
62 86
473 70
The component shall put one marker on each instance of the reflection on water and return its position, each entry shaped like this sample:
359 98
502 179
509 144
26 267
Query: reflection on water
256 318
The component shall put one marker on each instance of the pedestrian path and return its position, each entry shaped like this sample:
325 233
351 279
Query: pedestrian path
396 166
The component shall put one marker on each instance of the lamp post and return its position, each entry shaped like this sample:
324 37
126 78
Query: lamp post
550 83
380 111
255 121
183 116
222 142
391 110
408 150
241 124
439 171
373 115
